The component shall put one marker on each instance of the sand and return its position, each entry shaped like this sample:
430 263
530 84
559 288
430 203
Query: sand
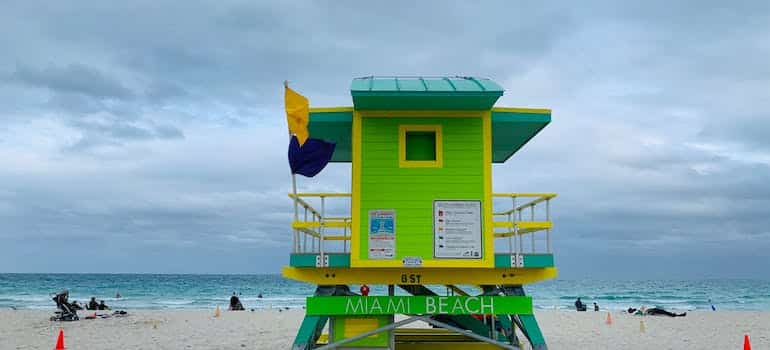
270 329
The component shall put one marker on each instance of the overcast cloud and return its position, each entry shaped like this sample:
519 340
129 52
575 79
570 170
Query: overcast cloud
150 136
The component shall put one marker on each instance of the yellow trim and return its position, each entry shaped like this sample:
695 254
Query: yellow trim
330 109
336 238
457 275
326 223
320 194
519 195
525 225
522 110
404 163
355 201
422 114
489 231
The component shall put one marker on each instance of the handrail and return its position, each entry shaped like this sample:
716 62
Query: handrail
525 194
321 194
316 225
516 226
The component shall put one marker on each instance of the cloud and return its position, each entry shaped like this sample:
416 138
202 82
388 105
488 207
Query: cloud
73 78
165 139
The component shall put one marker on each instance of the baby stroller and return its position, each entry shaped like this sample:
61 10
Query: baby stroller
66 311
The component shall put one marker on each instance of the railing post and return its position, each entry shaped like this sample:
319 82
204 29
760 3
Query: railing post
548 231
304 236
532 218
321 232
345 236
521 239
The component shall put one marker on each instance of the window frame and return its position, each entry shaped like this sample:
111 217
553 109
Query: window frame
404 163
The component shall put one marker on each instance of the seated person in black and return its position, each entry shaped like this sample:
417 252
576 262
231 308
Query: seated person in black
92 305
76 306
579 305
235 303
103 306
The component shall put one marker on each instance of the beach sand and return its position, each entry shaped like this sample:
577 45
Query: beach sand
270 329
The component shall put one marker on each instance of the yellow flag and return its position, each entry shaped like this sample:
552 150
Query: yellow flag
297 110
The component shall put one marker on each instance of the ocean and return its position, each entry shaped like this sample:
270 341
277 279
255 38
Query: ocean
148 291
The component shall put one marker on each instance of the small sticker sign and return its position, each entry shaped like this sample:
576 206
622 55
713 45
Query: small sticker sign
382 234
411 261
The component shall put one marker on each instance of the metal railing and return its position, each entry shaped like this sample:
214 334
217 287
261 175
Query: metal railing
516 225
313 224
529 214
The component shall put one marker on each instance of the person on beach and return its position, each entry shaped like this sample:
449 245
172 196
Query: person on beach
655 311
76 306
713 308
596 307
103 306
579 306
235 303
93 305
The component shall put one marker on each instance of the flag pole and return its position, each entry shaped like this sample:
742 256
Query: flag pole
296 211
295 244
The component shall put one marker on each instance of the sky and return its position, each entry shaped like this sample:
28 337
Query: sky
150 136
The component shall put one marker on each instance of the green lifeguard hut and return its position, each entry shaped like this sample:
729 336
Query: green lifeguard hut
422 216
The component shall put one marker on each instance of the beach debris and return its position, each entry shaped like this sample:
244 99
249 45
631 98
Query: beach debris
217 313
641 326
609 319
60 341
746 342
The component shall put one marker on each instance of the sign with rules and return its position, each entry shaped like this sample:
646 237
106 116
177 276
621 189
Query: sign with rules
457 229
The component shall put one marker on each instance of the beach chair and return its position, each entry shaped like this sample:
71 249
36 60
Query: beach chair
66 311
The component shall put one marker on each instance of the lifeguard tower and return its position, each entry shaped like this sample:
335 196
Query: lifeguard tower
422 217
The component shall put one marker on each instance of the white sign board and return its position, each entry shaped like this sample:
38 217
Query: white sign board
382 234
457 229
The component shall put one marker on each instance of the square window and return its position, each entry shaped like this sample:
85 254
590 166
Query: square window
420 146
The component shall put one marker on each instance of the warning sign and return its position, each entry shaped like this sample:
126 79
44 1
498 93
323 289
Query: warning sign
457 229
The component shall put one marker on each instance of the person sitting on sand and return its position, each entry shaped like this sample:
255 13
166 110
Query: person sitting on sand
93 305
235 303
579 305
596 307
103 306
76 306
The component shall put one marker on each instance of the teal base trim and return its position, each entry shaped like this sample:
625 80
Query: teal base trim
530 260
530 326
309 260
308 332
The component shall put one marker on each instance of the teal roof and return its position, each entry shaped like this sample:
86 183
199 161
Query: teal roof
511 130
424 93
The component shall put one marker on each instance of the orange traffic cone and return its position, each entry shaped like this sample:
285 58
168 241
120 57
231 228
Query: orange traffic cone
60 341
746 342
609 319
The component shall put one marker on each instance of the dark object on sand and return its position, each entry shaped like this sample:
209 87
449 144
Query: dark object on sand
658 311
235 303
596 307
579 306
92 305
103 306
66 311
655 311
